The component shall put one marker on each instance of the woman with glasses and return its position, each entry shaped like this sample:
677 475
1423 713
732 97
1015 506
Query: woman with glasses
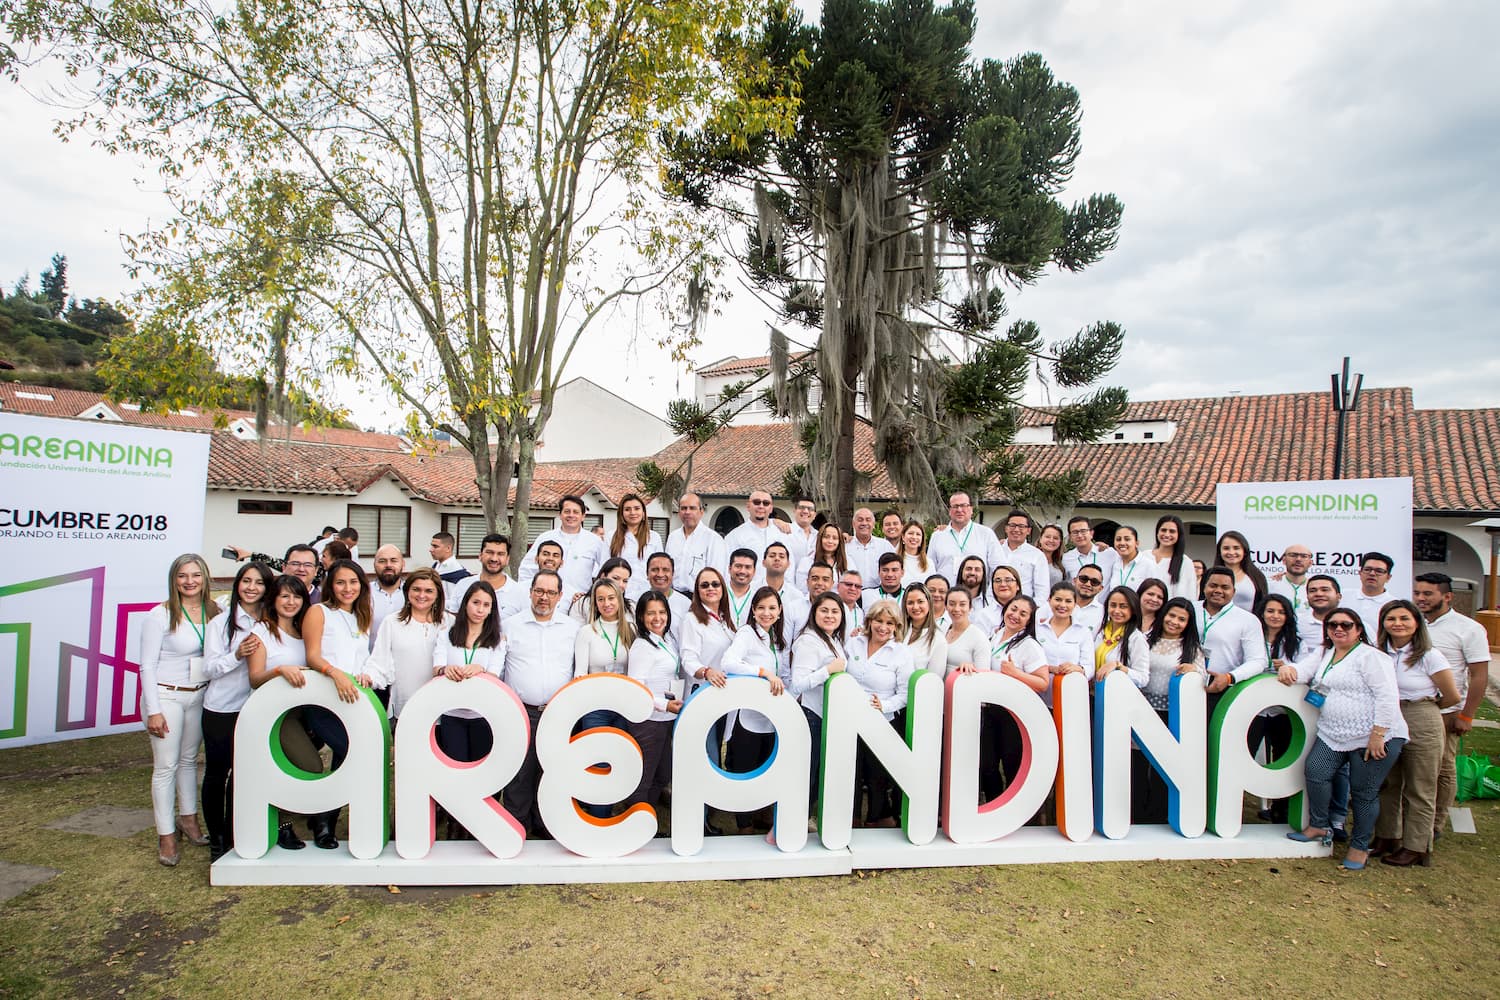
1005 584
1359 724
706 634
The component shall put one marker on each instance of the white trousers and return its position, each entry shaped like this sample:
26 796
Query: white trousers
174 758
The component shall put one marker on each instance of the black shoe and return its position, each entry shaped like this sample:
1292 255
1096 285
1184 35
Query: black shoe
322 831
1264 815
215 847
287 838
1339 836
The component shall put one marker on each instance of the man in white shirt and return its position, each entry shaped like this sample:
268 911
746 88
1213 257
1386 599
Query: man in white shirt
386 596
538 662
851 592
1086 551
1088 610
864 549
1320 596
1291 582
742 574
447 566
1233 642
802 542
794 606
819 581
659 572
1465 645
891 524
583 551
350 538
889 588
494 556
1374 573
963 537
693 546
759 529
1025 558
937 589
549 556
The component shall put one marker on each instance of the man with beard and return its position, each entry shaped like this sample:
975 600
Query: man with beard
386 597
494 556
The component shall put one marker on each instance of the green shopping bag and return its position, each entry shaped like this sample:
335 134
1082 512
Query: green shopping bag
1477 777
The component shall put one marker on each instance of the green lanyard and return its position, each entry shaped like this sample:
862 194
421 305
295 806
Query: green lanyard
1296 596
964 545
735 609
1209 623
1123 576
1006 647
1333 662
661 644
469 652
200 632
614 643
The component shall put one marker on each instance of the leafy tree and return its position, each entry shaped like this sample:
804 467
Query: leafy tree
488 168
55 285
917 189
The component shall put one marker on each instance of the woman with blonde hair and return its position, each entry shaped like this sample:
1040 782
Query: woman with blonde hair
634 541
915 565
172 677
882 666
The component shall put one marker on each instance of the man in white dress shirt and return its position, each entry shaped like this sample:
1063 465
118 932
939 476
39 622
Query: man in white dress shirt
963 537
694 546
1465 645
538 662
819 580
386 596
852 592
759 529
1086 551
1025 558
494 557
889 575
864 549
802 543
1291 582
891 525
659 573
583 551
1321 595
447 565
794 606
1374 573
743 571
1232 638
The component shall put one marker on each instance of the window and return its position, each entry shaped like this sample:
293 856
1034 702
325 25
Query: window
1119 435
265 506
379 526
1149 435
662 526
592 521
468 530
535 526
1429 546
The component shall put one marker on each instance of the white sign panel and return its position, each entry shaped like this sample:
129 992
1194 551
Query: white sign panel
1338 519
91 517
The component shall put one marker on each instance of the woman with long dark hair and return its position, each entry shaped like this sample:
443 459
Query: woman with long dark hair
282 654
1175 648
1250 584
829 548
401 659
1015 653
760 650
1153 594
1052 542
472 646
1121 644
1171 556
929 644
1273 727
656 662
817 654
634 541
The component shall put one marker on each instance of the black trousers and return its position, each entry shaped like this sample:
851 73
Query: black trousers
218 774
746 752
1000 751
655 739
519 796
877 782
464 739
1275 731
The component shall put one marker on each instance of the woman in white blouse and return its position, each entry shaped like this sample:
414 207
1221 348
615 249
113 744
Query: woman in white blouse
635 542
656 663
1135 567
603 647
706 635
1172 558
1066 644
915 565
758 650
882 665
817 654
172 677
968 644
1015 653
1425 684
1005 584
1175 649
929 644
282 654
336 635
1121 645
231 637
1051 541
472 646
402 657
1359 724
1249 582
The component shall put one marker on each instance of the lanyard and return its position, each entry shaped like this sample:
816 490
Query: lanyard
1296 596
199 631
469 652
1007 646
1209 623
1123 576
661 644
735 609
964 545
351 623
614 641
1334 661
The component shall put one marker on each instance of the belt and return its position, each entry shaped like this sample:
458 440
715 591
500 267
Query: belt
190 690
1418 701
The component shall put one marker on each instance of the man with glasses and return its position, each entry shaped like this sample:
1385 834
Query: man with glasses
1374 573
1291 583
759 529
693 547
1086 551
538 662
1088 611
851 591
302 562
583 551
963 537
1019 554
803 540
864 549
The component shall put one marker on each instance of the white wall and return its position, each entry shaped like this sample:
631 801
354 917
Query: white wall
590 422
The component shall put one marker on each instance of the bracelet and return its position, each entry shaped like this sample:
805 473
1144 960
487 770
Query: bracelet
1466 718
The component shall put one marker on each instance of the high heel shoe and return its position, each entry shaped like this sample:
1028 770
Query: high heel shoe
1405 858
162 857
197 840
1355 866
1325 838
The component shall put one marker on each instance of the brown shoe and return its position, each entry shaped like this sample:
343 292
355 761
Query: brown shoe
1405 858
1381 846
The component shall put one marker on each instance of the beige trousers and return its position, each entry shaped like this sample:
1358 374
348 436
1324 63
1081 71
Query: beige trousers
1408 799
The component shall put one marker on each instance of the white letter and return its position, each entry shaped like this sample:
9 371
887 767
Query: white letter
964 820
1234 771
1178 751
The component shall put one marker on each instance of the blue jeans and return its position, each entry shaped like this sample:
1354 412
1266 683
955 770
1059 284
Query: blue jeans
600 718
1365 779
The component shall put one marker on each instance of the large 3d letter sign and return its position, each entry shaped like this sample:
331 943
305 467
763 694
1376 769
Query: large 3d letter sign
1075 764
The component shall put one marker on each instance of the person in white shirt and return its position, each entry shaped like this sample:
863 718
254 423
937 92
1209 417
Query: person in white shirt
852 592
819 580
447 565
473 645
817 654
915 565
707 632
1014 652
494 557
1291 582
1320 596
1359 726
758 650
634 541
660 574
829 548
928 640
1133 567
1086 552
1175 649
1171 555
1465 645
386 594
888 587
759 529
794 606
742 587
864 549
583 551
1374 573
1272 729
694 546
968 644
1233 552
401 660
937 588
549 556
172 680
1005 584
616 570
962 537
1050 541
349 537
1088 610
538 662
1067 645
602 645
230 640
1120 644
891 524
1233 643
802 541
656 662
1425 685
882 666
1016 550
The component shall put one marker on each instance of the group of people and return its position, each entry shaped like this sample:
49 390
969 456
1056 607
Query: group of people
793 603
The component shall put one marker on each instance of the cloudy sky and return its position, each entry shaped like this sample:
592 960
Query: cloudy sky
1301 181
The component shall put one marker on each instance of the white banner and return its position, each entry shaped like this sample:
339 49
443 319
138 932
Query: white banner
1338 519
91 517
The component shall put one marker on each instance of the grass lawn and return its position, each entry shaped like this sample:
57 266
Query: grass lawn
115 923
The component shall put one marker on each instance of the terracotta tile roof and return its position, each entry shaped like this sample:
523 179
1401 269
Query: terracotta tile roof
737 366
1461 456
756 456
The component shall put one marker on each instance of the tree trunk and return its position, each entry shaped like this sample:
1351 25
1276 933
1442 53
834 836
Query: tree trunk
843 443
521 512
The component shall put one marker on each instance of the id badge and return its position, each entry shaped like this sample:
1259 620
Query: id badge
196 674
1315 698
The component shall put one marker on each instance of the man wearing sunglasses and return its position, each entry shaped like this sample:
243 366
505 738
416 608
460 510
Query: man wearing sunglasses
759 530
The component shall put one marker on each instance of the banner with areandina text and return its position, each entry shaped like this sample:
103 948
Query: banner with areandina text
91 516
